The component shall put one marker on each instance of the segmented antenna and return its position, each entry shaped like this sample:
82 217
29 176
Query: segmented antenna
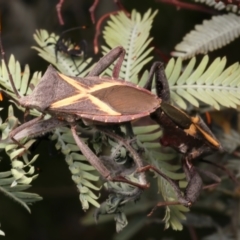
74 28
8 71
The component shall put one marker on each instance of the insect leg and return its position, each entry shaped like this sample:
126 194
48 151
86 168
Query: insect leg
25 125
181 199
97 163
162 86
227 171
39 128
195 183
22 127
192 190
9 73
138 161
84 46
107 60
88 153
129 129
214 177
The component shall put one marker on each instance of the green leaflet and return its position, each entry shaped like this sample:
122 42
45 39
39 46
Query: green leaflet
214 85
133 35
21 79
18 178
80 171
221 30
220 5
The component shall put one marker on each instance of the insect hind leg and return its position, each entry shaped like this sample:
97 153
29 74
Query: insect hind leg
28 124
97 163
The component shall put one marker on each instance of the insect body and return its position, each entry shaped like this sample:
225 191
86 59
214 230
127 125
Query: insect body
63 46
110 100
103 100
188 135
74 51
94 98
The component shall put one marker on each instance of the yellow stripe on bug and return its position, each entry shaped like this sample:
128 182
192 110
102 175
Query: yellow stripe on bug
83 92
208 137
103 85
105 108
68 101
84 89
74 83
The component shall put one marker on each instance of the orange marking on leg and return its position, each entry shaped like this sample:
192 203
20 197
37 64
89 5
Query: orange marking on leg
208 118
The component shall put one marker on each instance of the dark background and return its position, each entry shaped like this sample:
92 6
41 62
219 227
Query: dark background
58 216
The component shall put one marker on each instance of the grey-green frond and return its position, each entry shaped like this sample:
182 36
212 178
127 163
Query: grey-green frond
82 173
173 214
21 79
133 34
147 137
230 140
18 178
75 66
210 35
2 233
213 85
220 5
16 193
221 233
233 165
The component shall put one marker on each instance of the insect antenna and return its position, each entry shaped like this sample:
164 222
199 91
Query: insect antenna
72 29
224 169
8 71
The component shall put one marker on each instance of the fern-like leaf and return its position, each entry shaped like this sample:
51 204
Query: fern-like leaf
2 233
81 172
220 30
212 85
15 181
224 234
21 80
135 41
220 5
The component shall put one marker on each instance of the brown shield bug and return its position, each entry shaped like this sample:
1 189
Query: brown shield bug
92 98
